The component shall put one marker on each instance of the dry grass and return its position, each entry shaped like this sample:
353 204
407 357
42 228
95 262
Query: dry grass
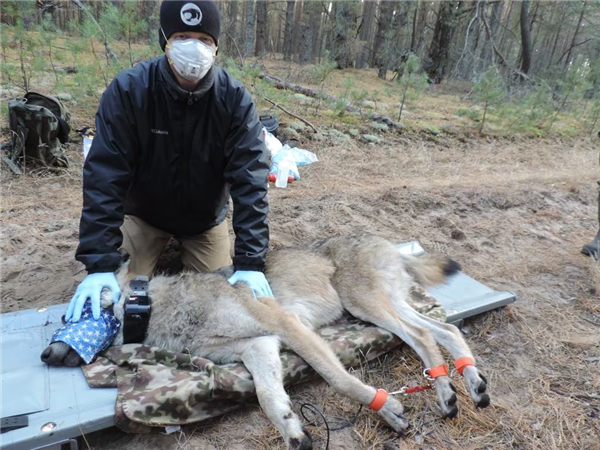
523 223
20 195
422 163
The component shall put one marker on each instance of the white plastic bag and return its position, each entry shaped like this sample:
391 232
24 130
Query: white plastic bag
87 144
272 143
292 157
302 157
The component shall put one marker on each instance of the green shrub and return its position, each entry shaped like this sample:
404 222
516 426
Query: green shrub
412 83
489 90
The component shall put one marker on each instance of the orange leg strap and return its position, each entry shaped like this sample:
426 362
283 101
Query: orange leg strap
379 400
435 372
463 362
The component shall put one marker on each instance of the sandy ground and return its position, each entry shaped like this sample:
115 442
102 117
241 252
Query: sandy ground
514 214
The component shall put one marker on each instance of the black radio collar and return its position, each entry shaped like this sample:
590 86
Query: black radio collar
136 312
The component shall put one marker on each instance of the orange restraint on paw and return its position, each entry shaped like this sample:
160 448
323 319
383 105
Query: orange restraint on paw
463 362
379 400
435 372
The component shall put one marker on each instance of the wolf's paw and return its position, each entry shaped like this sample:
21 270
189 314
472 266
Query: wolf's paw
60 354
447 396
302 442
393 413
477 386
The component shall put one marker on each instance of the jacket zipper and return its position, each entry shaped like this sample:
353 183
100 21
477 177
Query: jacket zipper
187 153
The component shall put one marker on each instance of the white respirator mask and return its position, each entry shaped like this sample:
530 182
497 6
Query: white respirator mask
190 58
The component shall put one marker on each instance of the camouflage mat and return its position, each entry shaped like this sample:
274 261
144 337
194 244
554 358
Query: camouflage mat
158 388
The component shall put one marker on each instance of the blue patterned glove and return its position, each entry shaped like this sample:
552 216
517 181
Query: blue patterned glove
91 287
255 279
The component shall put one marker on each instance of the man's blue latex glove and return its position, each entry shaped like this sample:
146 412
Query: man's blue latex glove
91 287
255 279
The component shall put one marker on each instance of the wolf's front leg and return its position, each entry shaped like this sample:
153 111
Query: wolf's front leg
60 354
261 357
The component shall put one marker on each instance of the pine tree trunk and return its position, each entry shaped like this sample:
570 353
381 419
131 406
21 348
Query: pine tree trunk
560 23
486 51
344 16
311 31
297 29
250 28
421 22
439 48
525 37
149 13
380 60
533 19
315 27
231 31
366 32
261 28
287 35
540 55
506 31
280 28
573 42
305 34
472 36
400 25
413 35
278 41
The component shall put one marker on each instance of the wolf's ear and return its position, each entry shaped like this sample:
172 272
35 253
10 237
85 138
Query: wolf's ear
123 274
125 256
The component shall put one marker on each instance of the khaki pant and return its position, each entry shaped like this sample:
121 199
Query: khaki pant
204 252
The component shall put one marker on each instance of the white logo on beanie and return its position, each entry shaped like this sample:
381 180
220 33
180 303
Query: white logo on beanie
191 14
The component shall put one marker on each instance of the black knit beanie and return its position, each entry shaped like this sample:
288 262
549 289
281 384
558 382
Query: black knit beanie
200 16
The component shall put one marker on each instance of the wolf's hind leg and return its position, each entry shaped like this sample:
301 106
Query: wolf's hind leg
449 337
261 358
376 308
316 352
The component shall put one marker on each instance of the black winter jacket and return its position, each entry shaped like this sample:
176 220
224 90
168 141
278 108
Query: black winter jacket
173 158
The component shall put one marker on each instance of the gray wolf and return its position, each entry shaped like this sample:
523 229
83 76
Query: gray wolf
312 286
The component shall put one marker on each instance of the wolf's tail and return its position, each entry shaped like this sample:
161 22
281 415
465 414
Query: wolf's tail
430 269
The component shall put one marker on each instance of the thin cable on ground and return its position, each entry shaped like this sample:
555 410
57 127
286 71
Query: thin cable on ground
343 422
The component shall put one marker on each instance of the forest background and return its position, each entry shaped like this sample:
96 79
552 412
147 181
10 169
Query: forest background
516 67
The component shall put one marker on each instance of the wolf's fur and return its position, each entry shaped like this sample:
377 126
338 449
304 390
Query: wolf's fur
312 286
